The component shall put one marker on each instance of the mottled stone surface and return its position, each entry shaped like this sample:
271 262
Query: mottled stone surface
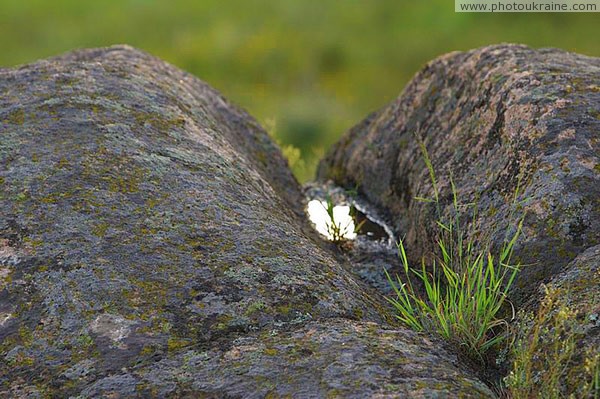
152 244
563 336
488 116
579 286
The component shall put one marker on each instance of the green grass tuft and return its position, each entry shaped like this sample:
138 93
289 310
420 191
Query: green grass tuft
465 283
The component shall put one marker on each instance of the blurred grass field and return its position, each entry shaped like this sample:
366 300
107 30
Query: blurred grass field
307 70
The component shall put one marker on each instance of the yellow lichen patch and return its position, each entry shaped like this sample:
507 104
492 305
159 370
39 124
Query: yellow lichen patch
63 163
270 351
175 343
99 230
17 117
159 122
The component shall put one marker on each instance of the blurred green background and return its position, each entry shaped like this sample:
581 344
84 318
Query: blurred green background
306 69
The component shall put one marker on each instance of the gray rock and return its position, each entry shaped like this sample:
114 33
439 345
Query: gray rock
488 116
563 336
579 285
152 243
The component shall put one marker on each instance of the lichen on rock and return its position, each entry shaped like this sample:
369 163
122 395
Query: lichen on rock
153 244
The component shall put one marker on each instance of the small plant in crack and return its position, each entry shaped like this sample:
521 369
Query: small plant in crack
339 231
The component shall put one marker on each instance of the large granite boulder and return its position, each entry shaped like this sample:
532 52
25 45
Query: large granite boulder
152 244
488 118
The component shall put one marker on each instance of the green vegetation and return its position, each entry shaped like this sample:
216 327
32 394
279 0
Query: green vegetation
334 228
465 282
465 288
545 363
335 231
339 231
316 68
